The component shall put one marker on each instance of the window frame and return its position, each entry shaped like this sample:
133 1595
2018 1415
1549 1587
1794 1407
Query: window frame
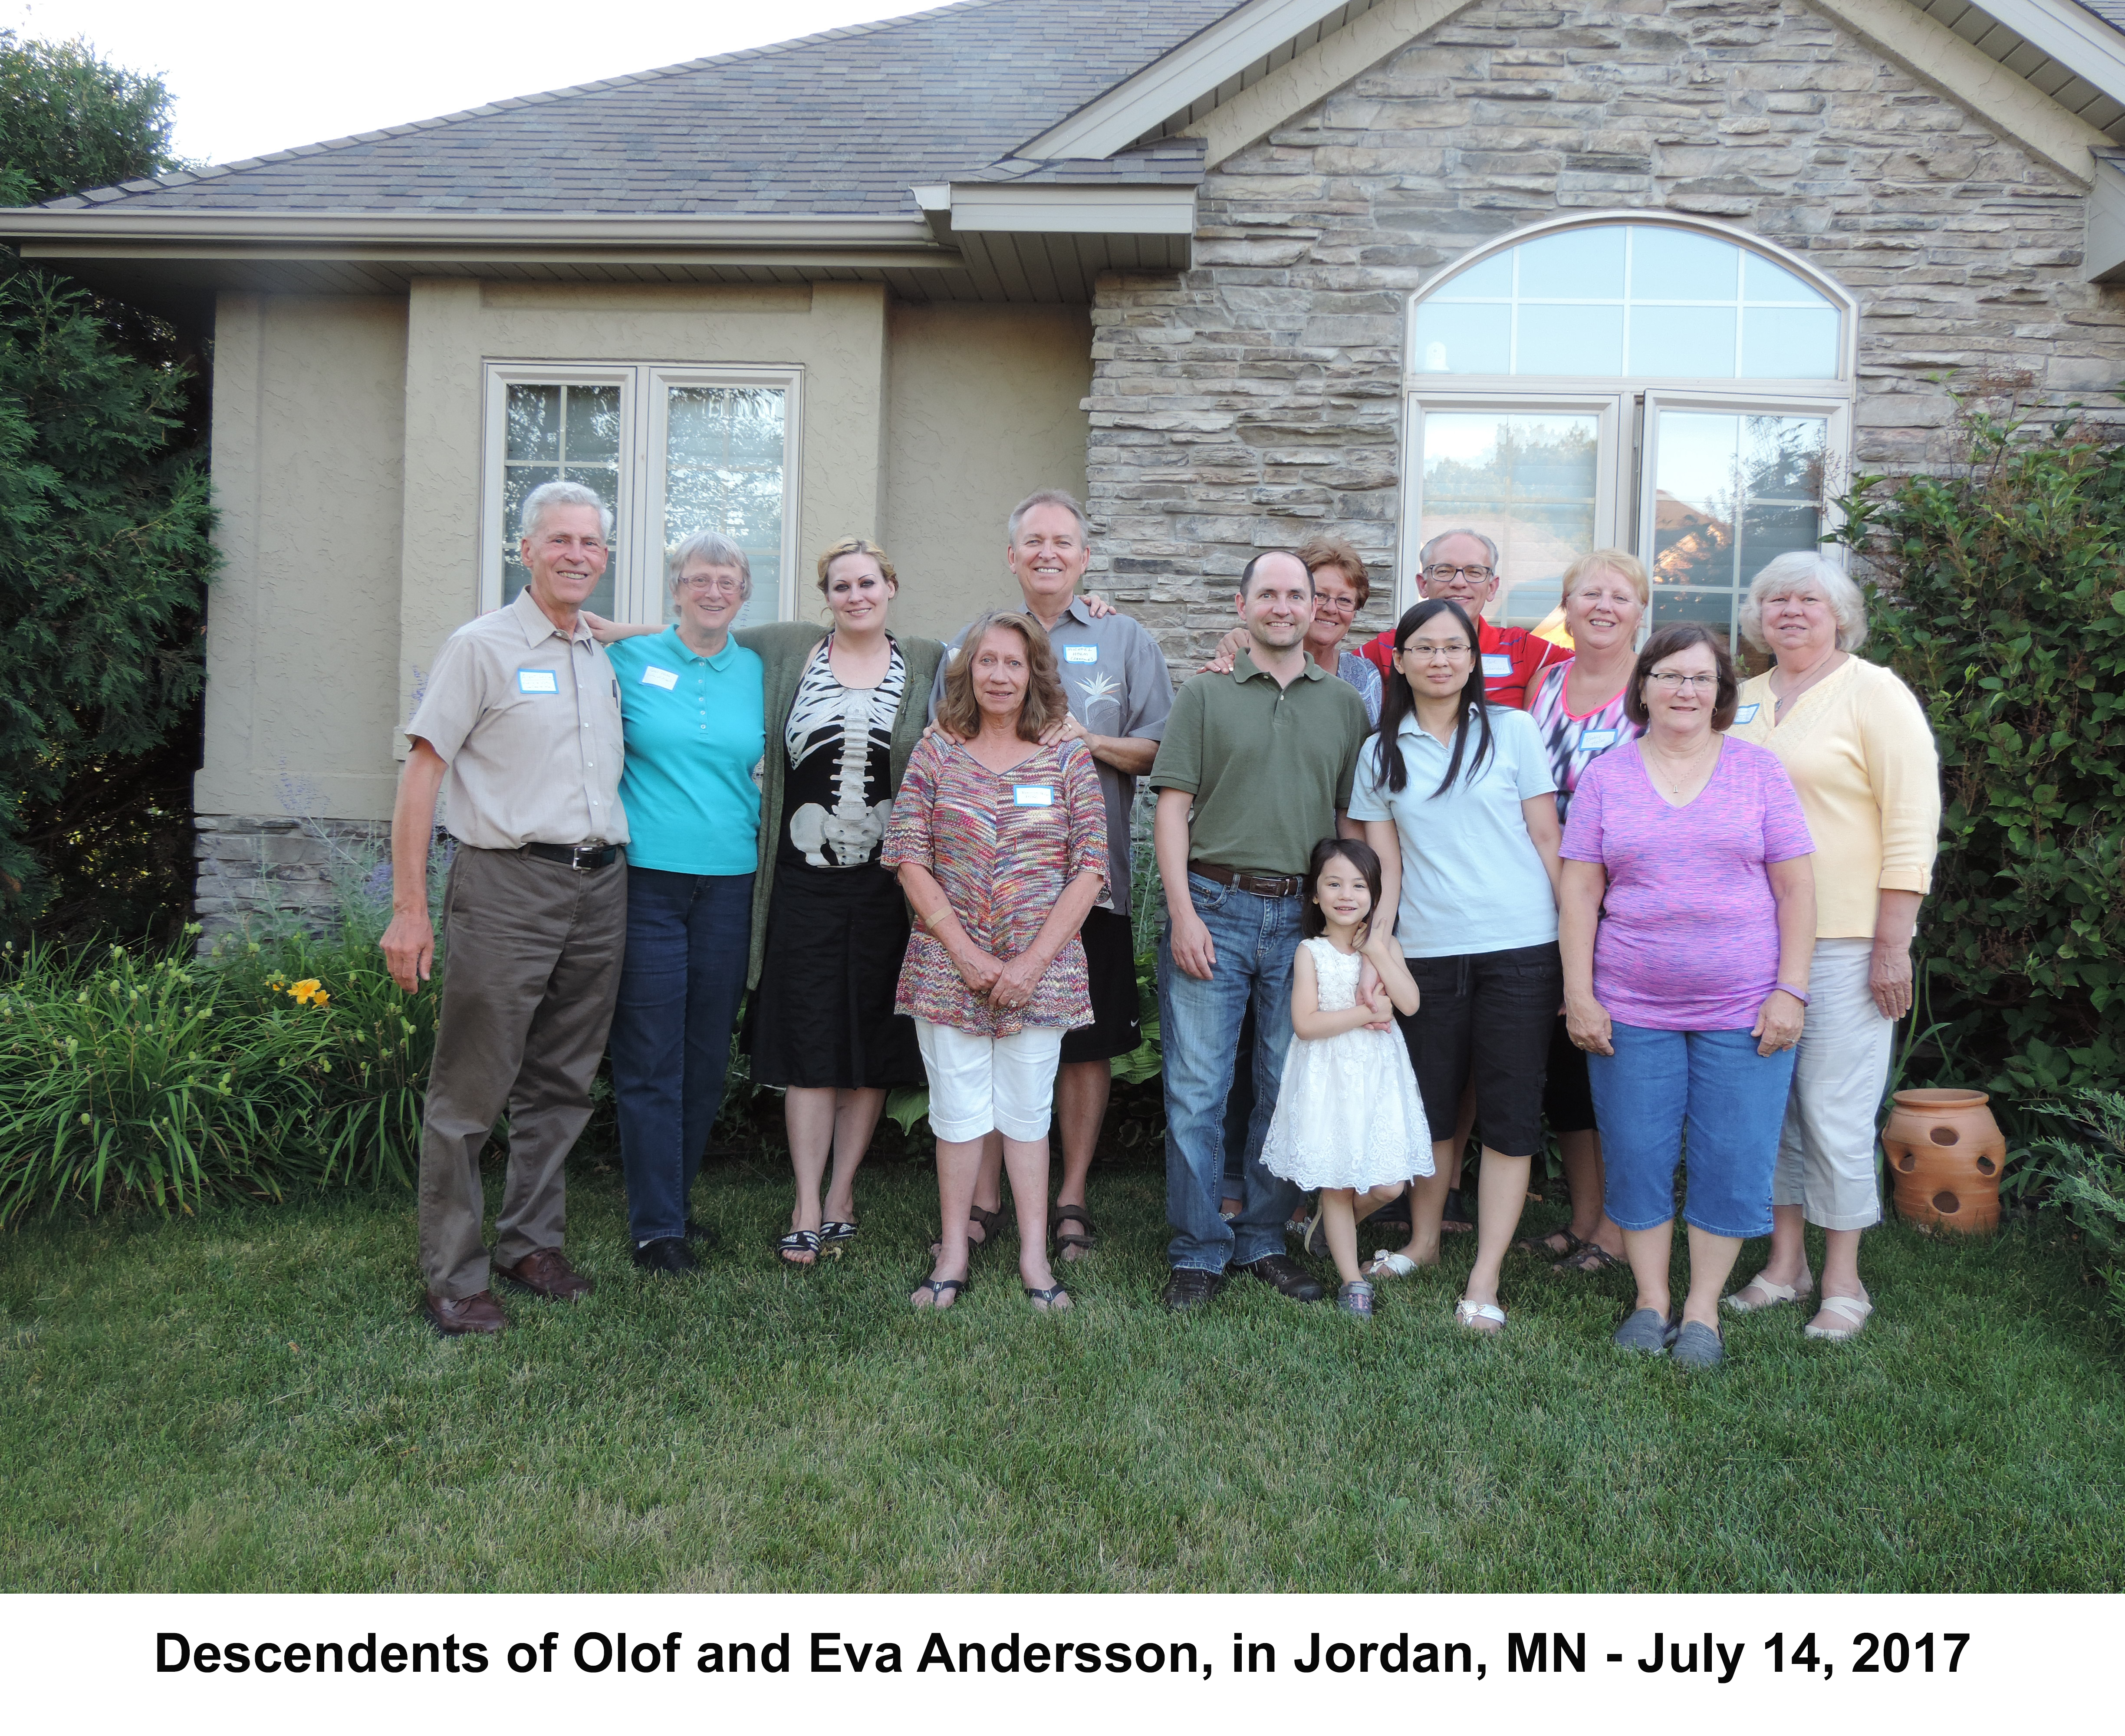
638 591
1627 478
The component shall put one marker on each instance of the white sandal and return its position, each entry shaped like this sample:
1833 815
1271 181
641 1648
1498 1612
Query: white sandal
1466 1313
1386 1262
1846 1307
1775 1294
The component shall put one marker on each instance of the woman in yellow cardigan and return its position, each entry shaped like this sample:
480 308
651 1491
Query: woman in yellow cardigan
1856 742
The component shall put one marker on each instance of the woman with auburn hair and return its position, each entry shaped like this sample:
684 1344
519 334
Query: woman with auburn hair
1000 844
1578 706
1687 922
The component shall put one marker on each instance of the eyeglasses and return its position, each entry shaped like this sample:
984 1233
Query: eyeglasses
1474 574
1334 605
1673 681
728 583
1425 653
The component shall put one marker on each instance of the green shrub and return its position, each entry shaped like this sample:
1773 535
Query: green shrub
2002 601
2085 1176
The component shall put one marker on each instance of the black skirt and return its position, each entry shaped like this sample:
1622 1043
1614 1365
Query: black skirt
823 1015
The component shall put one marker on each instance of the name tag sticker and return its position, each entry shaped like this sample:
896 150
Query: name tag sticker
537 682
1496 665
1033 795
1593 740
1081 654
652 676
1745 714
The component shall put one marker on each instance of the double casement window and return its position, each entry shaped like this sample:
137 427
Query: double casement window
672 450
1678 389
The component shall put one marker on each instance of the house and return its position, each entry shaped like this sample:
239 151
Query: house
1659 273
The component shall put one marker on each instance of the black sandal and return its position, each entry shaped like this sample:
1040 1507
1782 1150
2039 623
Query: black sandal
1590 1257
1045 1301
799 1241
937 1287
988 1220
1087 1241
1537 1245
834 1234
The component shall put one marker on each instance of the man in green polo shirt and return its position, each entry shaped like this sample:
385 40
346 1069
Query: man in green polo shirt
1255 768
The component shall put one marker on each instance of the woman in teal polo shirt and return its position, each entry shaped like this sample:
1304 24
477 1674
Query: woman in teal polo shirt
691 703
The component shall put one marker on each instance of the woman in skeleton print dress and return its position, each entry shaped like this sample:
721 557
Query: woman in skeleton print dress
822 1024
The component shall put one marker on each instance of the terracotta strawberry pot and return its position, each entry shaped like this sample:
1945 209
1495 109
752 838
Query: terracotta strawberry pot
1944 1152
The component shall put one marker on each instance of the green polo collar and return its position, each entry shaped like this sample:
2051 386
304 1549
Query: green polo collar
1244 669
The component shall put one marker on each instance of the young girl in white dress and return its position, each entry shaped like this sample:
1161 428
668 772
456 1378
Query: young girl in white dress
1349 1120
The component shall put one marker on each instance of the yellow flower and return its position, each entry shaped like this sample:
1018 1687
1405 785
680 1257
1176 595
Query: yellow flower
319 998
303 990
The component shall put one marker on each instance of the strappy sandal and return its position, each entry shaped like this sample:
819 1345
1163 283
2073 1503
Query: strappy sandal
1846 1307
937 1287
835 1235
1539 1245
1590 1257
799 1241
1386 1262
1053 1299
1775 1295
1088 1240
987 1219
1467 1314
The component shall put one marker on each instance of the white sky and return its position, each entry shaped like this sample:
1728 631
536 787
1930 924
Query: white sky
254 76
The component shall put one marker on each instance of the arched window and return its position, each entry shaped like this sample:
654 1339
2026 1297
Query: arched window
1626 379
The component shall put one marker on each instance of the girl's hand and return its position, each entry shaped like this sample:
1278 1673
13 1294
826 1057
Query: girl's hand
1587 1022
1778 1023
1383 1004
1371 993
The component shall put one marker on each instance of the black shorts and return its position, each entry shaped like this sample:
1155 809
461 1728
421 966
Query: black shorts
1567 1093
1117 1026
1490 1015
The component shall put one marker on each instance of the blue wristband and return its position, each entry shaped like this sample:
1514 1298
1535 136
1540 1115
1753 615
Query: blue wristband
1794 992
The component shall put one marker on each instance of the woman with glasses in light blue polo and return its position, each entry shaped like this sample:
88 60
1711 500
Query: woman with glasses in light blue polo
691 704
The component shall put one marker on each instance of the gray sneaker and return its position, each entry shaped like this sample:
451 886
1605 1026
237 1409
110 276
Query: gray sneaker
1698 1346
1356 1297
1646 1331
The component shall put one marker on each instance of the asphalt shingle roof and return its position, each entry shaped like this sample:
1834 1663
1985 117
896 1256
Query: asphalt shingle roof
841 123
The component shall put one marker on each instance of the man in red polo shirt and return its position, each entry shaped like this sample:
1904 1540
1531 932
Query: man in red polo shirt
1462 566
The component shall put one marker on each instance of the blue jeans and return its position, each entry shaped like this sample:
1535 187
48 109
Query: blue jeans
688 937
1732 1099
1256 938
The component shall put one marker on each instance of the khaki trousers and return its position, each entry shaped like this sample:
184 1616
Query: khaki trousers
531 953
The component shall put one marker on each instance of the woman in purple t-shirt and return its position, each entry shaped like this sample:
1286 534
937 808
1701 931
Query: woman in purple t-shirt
1687 923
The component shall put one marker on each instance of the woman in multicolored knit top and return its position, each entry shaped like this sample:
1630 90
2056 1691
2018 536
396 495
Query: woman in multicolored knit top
1001 846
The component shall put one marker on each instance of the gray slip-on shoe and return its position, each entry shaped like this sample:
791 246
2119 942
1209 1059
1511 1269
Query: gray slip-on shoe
1646 1331
1698 1346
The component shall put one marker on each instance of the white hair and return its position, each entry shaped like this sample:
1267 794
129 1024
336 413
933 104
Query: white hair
1048 498
1423 554
1790 572
560 494
713 548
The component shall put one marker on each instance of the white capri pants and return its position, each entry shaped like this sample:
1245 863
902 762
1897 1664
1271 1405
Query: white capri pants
1826 1165
978 1084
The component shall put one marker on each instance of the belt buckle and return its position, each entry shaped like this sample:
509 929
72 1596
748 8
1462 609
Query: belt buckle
595 847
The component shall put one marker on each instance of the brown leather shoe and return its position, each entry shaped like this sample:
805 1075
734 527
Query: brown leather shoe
453 1316
546 1272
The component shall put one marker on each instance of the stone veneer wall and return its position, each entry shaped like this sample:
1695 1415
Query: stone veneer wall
276 869
1257 398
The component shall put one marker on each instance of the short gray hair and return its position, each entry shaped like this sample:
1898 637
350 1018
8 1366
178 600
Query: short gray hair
560 494
1423 554
1048 498
1804 567
713 548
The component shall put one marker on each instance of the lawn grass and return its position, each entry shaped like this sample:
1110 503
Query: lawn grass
246 1401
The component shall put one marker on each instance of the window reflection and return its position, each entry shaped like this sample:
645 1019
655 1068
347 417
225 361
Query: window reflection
551 433
1731 491
1528 482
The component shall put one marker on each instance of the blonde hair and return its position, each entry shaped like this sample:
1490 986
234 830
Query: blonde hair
1329 550
1624 564
959 712
1803 566
855 545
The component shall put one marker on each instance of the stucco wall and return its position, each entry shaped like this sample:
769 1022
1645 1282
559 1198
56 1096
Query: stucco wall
1258 397
302 624
837 332
983 409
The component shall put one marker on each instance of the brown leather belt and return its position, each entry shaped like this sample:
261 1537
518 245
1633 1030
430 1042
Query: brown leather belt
1262 885
583 858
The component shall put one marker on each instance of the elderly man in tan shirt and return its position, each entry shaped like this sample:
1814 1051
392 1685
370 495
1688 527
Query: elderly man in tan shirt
519 729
